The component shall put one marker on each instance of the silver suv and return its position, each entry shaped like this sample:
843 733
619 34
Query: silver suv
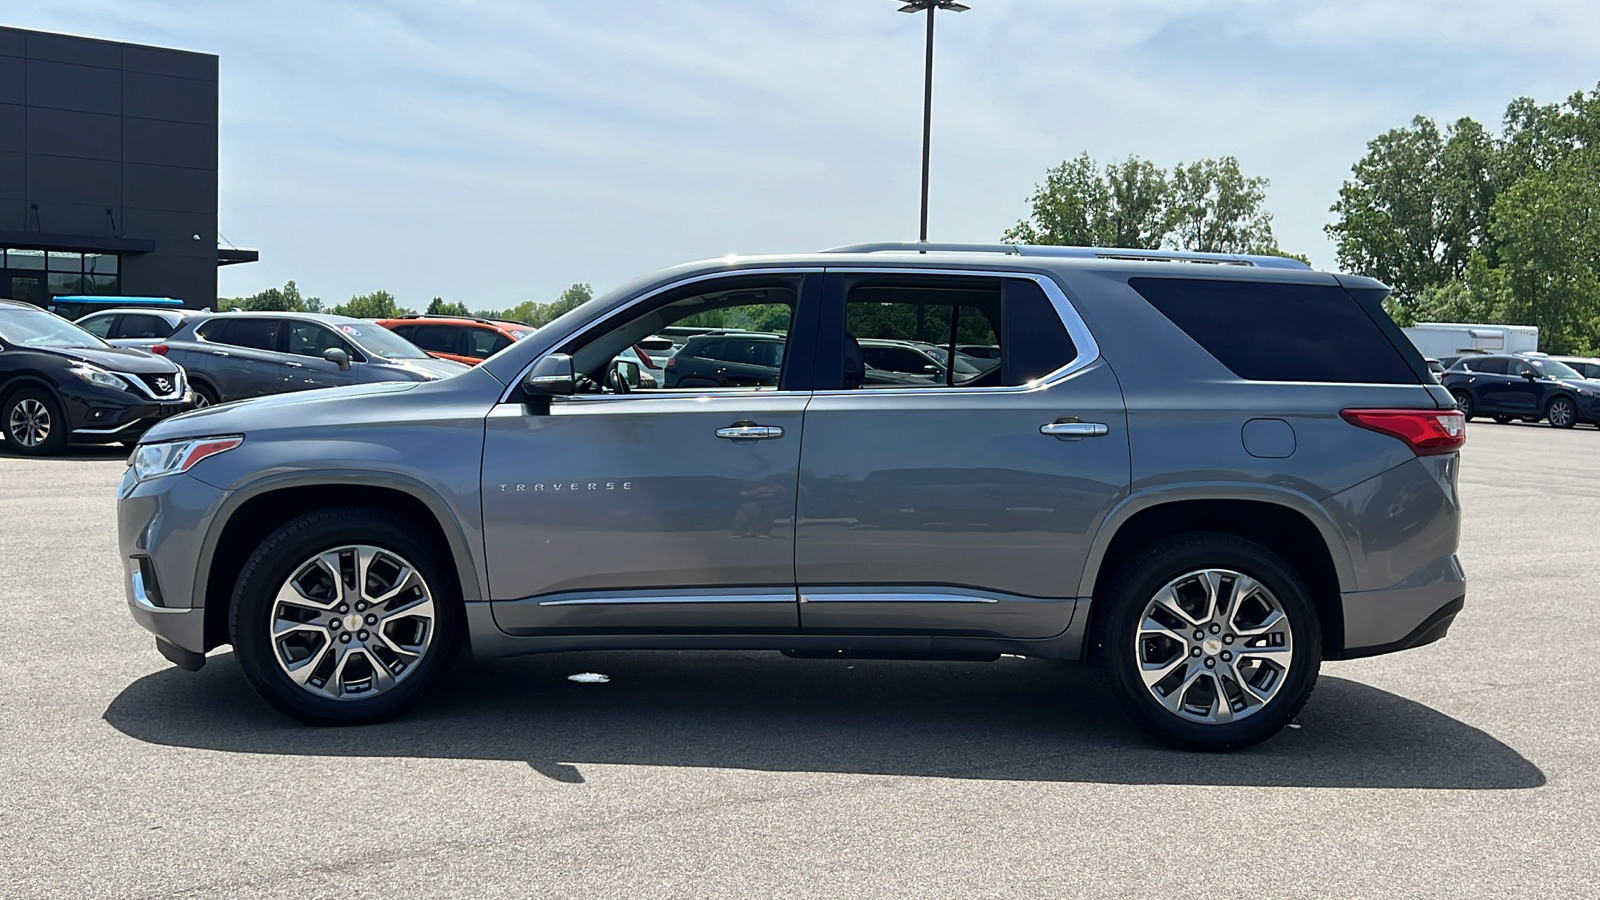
1206 474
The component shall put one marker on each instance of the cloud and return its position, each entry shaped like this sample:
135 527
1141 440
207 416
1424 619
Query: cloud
497 151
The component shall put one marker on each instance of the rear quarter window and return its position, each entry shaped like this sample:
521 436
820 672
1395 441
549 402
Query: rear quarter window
1280 332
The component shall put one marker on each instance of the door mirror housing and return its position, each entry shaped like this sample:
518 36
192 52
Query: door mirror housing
551 376
338 357
1529 374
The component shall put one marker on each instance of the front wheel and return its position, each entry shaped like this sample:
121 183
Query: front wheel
1465 404
34 422
1209 641
342 617
1502 420
1561 413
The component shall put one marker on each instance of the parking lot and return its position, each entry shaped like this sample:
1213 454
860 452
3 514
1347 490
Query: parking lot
1464 769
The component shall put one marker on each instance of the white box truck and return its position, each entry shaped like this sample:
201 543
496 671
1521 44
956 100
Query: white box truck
1440 339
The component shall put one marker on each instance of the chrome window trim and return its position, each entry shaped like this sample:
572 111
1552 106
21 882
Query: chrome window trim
505 396
866 596
1088 349
644 599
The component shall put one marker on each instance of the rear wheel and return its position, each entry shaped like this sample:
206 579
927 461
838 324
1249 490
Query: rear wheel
1210 642
1465 404
1561 413
34 423
341 617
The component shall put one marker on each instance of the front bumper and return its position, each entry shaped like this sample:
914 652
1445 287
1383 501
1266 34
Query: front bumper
179 632
98 415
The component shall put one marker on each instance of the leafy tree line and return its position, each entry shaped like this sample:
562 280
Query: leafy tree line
1469 225
382 305
1208 206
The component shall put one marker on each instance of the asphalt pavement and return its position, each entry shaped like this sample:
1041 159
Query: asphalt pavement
1469 768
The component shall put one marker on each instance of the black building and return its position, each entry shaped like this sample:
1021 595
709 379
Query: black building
108 170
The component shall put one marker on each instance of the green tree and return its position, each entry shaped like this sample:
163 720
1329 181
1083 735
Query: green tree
541 314
442 307
1209 205
376 305
285 299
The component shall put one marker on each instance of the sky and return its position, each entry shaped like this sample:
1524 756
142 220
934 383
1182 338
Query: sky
495 151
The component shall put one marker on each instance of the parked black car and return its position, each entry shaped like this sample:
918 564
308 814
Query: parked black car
59 383
1519 387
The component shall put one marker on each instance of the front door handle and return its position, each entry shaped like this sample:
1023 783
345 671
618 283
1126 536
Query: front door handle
294 365
219 353
1074 428
750 431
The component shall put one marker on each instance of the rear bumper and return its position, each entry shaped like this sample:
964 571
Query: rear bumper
1414 612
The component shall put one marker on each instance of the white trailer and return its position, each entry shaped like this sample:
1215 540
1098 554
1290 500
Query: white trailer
1439 339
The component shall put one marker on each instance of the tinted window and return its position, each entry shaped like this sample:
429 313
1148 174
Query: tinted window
1492 366
434 338
710 350
938 313
141 325
481 343
99 326
255 334
312 339
1280 332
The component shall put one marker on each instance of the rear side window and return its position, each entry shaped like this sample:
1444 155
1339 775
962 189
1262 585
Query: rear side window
255 334
139 325
1280 332
436 338
1492 366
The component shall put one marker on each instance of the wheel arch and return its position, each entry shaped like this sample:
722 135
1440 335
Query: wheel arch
27 379
1288 523
254 511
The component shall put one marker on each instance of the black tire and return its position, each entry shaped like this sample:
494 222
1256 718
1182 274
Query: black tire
22 414
281 555
1465 404
1120 607
204 395
1561 412
1502 420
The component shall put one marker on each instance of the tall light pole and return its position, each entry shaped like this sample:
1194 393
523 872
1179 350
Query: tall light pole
916 6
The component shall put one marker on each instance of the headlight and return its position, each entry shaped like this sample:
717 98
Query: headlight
171 457
97 376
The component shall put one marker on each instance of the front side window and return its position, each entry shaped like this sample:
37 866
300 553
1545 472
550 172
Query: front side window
734 339
482 343
143 325
1495 365
313 339
99 326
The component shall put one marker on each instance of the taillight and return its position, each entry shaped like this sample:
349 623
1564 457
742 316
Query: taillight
1427 432
160 349
669 362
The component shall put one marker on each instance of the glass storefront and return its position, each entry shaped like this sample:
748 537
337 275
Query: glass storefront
37 276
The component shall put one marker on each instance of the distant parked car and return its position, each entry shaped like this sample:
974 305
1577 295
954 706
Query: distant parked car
924 362
980 351
1587 366
137 327
463 339
61 384
1521 387
236 356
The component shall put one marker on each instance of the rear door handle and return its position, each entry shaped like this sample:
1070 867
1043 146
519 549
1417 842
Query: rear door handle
750 431
1074 429
219 353
294 365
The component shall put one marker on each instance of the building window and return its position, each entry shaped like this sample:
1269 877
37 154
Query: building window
39 276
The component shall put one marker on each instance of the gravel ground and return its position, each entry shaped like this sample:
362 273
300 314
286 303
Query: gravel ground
1469 768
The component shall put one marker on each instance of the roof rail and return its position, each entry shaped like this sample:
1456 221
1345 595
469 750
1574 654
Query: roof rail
1177 256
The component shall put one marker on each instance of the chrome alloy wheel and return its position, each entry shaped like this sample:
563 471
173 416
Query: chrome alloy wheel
1562 412
29 423
1213 646
352 622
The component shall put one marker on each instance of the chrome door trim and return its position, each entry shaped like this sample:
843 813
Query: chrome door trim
867 595
640 599
505 396
1074 429
1077 329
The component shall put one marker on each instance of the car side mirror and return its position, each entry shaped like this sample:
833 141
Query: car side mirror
551 376
1529 375
338 357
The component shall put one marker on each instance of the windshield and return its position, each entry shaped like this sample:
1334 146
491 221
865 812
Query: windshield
1550 368
29 328
379 341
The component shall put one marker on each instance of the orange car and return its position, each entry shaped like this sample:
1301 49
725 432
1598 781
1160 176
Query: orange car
464 339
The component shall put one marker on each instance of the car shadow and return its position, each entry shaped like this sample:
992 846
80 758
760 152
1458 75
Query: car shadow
1022 720
71 452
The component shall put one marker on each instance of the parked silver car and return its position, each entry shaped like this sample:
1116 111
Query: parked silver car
1207 479
236 356
137 327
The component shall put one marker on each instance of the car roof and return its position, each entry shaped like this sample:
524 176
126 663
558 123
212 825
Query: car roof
469 321
147 311
325 318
